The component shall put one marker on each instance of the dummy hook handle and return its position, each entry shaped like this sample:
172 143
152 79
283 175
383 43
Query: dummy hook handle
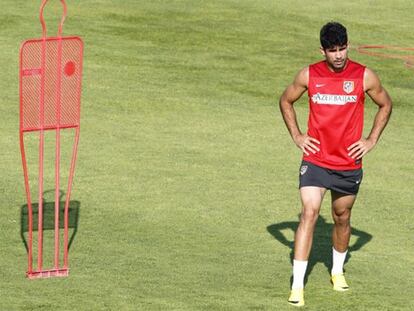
42 20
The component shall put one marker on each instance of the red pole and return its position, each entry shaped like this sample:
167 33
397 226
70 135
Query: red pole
26 178
41 156
29 204
40 206
57 173
68 192
57 157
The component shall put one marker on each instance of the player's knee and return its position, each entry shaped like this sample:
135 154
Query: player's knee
310 215
342 219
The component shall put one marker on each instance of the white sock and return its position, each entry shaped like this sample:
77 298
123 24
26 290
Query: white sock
338 260
299 270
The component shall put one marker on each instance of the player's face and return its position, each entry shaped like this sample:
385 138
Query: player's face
336 57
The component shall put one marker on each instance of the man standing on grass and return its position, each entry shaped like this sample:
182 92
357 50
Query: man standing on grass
333 146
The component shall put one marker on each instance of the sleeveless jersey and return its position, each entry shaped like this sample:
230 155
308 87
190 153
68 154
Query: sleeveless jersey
336 104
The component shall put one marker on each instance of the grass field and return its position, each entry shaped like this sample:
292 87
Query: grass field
186 180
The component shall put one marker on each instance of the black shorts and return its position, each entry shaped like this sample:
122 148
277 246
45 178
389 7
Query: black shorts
347 182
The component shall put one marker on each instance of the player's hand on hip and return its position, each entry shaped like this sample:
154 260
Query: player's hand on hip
307 144
360 148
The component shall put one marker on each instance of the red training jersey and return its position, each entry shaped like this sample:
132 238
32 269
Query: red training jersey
336 104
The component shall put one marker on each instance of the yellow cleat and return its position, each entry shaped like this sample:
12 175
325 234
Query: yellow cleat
339 282
296 297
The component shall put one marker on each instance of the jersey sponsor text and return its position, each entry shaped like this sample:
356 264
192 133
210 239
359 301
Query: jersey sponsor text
332 99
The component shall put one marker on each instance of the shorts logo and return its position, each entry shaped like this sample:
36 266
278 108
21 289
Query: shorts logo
348 86
303 169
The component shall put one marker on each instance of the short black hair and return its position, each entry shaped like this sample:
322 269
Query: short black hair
333 34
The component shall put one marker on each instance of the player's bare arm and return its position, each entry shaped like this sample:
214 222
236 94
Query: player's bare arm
379 95
292 93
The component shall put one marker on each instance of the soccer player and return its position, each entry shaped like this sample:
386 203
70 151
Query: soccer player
333 146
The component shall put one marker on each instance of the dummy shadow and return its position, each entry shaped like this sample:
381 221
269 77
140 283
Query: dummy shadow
322 242
49 217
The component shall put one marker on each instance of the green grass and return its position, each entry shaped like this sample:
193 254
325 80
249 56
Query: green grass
186 178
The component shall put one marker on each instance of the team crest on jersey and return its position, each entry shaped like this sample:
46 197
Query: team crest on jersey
348 86
303 169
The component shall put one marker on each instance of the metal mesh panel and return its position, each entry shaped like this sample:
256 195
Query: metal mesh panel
50 76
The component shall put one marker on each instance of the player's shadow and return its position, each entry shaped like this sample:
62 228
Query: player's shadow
322 242
49 216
